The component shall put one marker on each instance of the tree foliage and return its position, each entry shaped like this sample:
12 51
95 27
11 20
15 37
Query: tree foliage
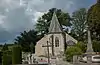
79 24
32 47
25 39
82 46
93 19
5 47
96 46
5 55
43 22
70 52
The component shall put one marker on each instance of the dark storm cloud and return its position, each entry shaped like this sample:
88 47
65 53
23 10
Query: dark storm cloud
16 20
19 15
71 5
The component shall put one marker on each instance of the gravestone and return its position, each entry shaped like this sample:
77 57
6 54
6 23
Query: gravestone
30 64
75 59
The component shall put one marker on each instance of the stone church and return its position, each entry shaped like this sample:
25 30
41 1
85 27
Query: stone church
57 40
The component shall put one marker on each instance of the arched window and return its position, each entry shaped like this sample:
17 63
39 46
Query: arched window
56 42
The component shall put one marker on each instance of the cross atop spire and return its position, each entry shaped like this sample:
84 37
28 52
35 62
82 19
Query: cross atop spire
54 25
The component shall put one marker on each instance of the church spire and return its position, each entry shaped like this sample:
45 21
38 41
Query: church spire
54 25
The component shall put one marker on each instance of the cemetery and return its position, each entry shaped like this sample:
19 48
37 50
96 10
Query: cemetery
56 46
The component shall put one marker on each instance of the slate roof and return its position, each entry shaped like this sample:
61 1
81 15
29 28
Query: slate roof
55 25
70 43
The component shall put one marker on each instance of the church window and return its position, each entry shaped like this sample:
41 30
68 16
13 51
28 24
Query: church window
56 42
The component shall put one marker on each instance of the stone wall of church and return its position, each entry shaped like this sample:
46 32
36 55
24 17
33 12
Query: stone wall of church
60 48
68 37
39 50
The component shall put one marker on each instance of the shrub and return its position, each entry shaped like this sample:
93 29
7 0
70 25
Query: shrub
70 52
6 58
82 46
0 57
16 55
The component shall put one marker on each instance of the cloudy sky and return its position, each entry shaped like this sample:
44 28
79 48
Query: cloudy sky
19 15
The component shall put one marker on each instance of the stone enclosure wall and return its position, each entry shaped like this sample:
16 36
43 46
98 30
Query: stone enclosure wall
30 64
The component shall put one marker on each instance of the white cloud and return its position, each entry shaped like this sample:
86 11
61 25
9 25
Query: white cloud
9 3
69 5
37 15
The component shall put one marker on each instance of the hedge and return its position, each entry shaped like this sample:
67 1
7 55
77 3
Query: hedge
16 55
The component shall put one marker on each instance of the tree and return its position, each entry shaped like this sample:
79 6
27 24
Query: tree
79 24
32 47
81 45
93 19
25 39
70 52
96 46
5 47
43 22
